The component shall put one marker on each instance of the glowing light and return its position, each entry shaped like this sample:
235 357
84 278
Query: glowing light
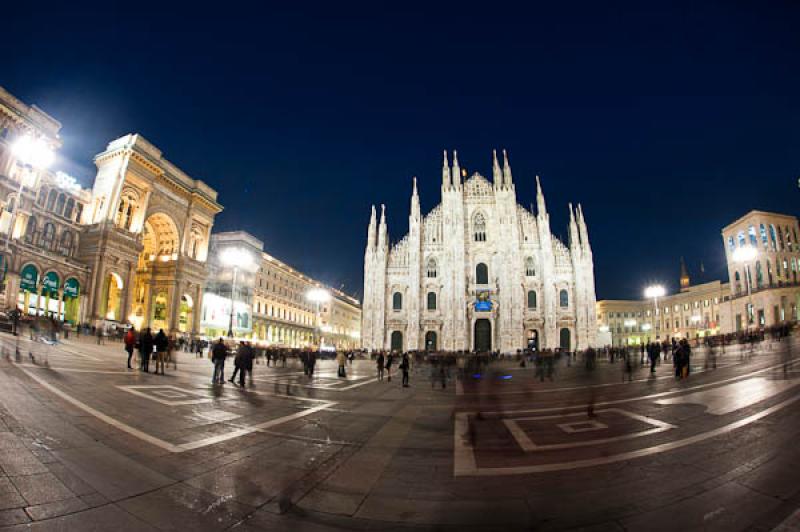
744 254
318 295
653 291
630 323
604 328
236 257
646 327
33 151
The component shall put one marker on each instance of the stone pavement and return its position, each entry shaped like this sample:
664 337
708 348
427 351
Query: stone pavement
86 444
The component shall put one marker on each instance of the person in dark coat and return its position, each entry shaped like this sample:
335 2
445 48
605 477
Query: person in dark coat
405 366
162 344
237 362
218 355
145 349
246 363
379 363
130 344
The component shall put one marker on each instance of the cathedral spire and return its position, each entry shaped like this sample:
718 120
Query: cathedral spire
497 174
583 231
574 238
509 182
372 233
541 208
446 183
456 171
415 200
382 236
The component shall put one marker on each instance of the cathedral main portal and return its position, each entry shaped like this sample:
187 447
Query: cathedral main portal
483 335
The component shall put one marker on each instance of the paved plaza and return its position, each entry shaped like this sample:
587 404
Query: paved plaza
86 444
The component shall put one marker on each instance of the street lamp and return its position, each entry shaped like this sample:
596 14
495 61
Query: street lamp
654 292
745 255
318 296
235 258
31 152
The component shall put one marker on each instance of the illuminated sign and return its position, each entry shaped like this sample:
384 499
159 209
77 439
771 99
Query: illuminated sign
482 302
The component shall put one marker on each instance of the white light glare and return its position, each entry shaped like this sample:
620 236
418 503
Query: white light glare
34 152
655 290
318 295
744 254
236 257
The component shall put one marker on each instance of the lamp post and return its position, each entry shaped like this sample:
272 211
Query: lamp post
235 258
318 296
33 153
746 255
654 291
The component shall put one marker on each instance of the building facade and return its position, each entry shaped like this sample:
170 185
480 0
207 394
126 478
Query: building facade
272 304
764 289
479 272
132 249
693 312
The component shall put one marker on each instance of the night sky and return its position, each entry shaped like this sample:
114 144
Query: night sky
665 121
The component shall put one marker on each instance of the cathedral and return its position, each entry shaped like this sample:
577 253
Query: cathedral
479 272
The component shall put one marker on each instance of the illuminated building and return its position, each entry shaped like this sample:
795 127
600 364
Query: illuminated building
130 249
478 272
764 289
272 303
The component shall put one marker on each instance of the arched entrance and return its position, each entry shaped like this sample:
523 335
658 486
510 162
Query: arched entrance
28 289
533 340
160 238
430 341
483 335
50 302
397 341
112 297
72 292
159 319
564 339
185 315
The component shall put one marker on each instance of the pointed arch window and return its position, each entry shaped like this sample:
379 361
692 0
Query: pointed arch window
42 199
62 200
531 299
432 271
68 210
479 228
66 243
530 267
30 230
431 300
481 274
397 301
763 231
51 200
48 236
563 298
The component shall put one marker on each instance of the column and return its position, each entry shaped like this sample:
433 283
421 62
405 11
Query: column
126 306
197 311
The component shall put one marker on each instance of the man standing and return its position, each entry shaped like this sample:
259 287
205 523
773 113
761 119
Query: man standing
218 354
340 359
162 342
130 343
379 362
246 363
405 365
145 349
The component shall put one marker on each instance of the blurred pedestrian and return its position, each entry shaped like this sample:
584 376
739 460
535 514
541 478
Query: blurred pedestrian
145 349
379 361
130 344
218 354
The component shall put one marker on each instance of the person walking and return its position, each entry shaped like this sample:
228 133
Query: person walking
341 360
246 364
379 361
130 344
389 361
145 349
405 366
237 362
312 361
218 355
161 342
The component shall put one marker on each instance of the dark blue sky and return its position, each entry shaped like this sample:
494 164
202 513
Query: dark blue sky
666 121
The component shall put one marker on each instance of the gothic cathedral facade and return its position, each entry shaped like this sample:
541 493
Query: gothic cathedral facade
479 272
